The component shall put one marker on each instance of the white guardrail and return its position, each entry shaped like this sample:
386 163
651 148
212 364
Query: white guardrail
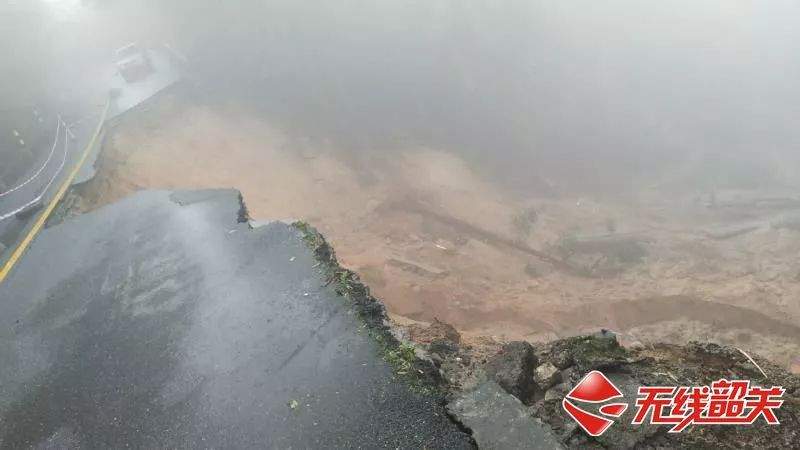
7 214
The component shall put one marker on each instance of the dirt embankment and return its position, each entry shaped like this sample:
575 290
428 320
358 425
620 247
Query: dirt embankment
433 238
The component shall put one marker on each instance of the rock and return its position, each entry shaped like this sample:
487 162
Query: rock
500 421
562 359
605 334
693 364
557 392
512 368
598 351
560 354
570 375
443 347
546 375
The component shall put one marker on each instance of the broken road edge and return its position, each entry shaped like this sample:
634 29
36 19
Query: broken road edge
418 372
408 365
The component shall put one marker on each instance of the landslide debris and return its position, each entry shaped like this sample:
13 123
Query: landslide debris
434 237
512 367
540 375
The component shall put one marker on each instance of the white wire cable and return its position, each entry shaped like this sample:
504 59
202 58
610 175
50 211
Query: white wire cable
38 172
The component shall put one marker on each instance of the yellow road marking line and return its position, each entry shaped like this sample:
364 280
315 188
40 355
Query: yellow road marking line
50 207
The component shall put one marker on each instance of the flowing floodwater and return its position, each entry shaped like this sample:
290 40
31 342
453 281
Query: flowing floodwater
520 169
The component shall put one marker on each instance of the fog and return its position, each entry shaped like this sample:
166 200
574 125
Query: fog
620 90
621 86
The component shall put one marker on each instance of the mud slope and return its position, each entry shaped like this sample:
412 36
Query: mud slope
434 238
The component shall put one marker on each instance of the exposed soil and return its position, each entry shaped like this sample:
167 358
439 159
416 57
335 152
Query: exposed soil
540 375
435 239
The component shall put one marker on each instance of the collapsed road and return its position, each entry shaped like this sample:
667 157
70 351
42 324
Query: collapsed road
170 320
165 320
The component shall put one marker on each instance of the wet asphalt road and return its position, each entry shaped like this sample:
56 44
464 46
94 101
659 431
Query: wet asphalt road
28 191
20 204
160 321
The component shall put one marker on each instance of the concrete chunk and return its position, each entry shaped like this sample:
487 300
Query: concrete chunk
512 368
500 421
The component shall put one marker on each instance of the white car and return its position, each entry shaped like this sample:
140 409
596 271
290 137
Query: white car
133 63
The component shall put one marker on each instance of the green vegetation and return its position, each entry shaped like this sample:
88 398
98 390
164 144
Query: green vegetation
310 235
401 358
